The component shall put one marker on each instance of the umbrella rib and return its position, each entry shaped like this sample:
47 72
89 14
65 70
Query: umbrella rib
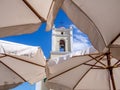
2 56
70 69
87 72
50 8
24 60
116 64
112 79
114 40
109 81
94 65
35 12
110 70
97 60
13 71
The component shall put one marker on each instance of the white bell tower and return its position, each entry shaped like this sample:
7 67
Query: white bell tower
62 40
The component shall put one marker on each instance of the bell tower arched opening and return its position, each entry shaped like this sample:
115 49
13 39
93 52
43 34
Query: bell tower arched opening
62 46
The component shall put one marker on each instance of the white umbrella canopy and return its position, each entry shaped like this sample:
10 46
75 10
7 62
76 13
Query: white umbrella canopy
20 63
25 16
98 71
99 20
16 18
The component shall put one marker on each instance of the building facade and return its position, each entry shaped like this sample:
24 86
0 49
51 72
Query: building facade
62 40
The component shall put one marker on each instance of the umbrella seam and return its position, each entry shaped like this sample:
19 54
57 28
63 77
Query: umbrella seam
13 71
23 60
34 11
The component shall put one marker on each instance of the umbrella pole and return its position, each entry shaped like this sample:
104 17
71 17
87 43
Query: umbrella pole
110 68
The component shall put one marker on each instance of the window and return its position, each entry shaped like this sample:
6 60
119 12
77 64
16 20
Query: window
61 33
62 46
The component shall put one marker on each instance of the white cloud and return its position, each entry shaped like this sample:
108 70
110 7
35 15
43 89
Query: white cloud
80 40
79 46
75 28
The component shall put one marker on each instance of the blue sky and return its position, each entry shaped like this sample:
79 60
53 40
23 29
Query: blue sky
42 38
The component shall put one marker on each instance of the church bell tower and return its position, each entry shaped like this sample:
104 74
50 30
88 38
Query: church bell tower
62 40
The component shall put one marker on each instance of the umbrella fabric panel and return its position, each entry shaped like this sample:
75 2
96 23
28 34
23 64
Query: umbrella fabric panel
18 29
40 58
83 22
17 18
94 20
42 7
28 71
104 14
70 78
116 72
26 62
56 4
69 72
8 77
95 80
115 52
25 52
56 86
16 12
17 49
115 48
36 58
